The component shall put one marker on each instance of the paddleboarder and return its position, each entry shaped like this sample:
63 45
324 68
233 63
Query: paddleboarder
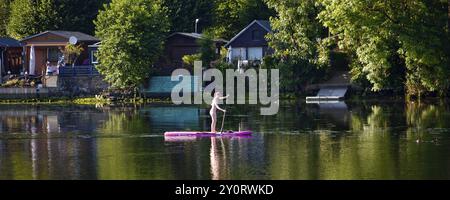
214 108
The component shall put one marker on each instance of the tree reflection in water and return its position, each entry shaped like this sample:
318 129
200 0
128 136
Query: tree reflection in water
367 140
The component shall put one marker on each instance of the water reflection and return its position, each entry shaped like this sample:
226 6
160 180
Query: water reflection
337 111
47 159
357 140
215 159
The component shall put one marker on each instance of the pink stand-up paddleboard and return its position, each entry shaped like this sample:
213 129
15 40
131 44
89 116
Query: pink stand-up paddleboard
207 134
222 133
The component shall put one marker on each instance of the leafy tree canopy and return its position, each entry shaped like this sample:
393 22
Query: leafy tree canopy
298 41
393 43
183 13
79 15
4 16
28 17
132 34
231 16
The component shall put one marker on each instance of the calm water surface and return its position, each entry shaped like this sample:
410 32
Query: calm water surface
357 140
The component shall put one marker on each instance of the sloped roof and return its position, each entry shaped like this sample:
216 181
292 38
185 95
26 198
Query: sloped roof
263 23
9 42
196 36
67 34
192 35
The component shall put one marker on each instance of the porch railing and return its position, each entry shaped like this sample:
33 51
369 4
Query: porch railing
87 70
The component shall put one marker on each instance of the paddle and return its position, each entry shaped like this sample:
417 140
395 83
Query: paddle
223 120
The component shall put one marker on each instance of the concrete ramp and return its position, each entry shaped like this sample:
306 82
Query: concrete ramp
329 93
333 91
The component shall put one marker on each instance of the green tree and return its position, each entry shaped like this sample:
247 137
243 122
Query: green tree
22 19
79 15
298 42
29 17
132 34
231 16
207 48
183 13
4 16
47 16
71 52
394 43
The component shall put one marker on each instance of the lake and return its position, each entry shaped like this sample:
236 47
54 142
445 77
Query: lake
345 141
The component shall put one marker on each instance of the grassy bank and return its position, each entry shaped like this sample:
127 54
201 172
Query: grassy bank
83 101
136 101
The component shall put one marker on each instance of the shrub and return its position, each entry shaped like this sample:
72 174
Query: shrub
190 59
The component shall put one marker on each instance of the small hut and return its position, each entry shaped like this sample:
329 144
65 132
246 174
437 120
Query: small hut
49 46
10 57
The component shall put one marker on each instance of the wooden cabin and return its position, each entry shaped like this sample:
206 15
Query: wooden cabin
49 46
10 57
250 43
180 44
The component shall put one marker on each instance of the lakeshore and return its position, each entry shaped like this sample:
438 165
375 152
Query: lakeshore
84 100
92 100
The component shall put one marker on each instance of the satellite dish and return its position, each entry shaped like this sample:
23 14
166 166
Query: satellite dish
73 40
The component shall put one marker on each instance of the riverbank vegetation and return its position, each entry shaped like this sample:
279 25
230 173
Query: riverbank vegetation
398 46
395 47
86 101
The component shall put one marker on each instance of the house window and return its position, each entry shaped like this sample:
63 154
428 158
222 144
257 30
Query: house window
255 53
255 35
94 59
53 54
238 54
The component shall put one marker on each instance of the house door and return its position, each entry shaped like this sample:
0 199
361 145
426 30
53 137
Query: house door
41 57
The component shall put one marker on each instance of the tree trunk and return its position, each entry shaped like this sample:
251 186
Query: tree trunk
448 21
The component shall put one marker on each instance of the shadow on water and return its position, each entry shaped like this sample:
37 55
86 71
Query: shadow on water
354 140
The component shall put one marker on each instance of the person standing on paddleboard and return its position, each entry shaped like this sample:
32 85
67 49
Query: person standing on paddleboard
214 108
